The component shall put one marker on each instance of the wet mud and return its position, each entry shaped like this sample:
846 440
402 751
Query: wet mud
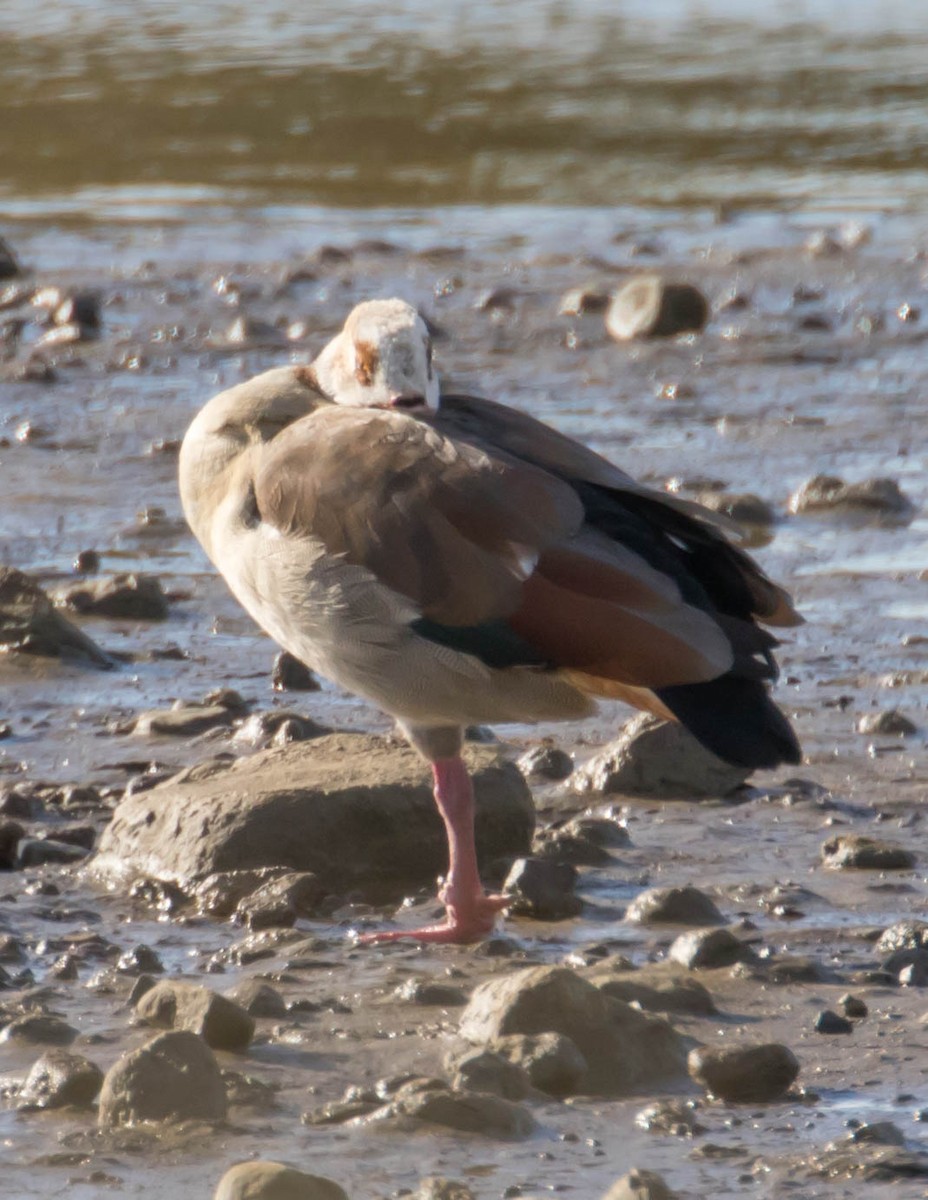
812 363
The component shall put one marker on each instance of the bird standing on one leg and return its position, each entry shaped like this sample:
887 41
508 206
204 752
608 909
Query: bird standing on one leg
455 562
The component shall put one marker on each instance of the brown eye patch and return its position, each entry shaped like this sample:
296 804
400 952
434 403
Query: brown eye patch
366 360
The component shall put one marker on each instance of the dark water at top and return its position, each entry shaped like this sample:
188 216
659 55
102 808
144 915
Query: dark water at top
108 108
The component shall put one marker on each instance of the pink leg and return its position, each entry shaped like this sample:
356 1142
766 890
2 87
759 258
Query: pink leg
471 912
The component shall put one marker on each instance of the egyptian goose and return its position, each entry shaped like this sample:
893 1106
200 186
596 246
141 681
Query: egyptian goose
455 561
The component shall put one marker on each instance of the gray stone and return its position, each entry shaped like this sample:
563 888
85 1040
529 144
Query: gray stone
626 1050
675 906
38 1029
258 999
484 1070
30 624
674 1117
752 1074
340 806
435 1187
563 845
640 1185
543 889
464 1112
581 300
904 935
828 493
281 901
545 763
60 1079
428 992
656 987
659 759
707 948
858 852
125 597
221 1023
552 1061
290 675
39 852
265 1180
890 722
174 1077
277 727
649 307
10 834
220 893
187 720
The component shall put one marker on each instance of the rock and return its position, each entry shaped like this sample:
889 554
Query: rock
829 1022
60 1079
427 992
80 308
752 1074
434 1187
562 845
707 948
251 332
545 763
280 901
10 834
125 596
258 999
640 1185
38 1029
340 806
626 1049
221 1023
551 1061
605 829
290 675
675 906
649 307
219 894
486 1071
265 1180
9 267
86 562
890 721
904 935
910 967
853 1006
660 759
656 987
30 624
676 1117
581 300
174 1077
277 727
140 960
744 507
465 1112
828 493
858 852
187 720
543 889
38 852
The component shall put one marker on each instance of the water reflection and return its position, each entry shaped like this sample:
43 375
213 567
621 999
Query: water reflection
555 103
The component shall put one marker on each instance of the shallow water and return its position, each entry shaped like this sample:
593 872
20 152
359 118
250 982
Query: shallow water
149 153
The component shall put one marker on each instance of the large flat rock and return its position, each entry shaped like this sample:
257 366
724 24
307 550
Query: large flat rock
352 808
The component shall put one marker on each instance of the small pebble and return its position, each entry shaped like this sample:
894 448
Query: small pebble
830 1022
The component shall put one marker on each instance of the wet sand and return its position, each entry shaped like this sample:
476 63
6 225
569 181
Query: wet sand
806 368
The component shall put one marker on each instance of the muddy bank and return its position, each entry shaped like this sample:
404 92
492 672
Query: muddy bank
811 364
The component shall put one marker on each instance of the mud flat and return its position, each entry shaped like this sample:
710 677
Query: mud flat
515 1068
